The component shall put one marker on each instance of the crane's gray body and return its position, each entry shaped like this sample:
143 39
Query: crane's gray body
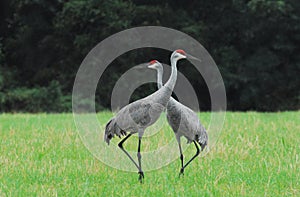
185 122
138 115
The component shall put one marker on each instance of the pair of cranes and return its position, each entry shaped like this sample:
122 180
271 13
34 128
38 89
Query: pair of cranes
138 115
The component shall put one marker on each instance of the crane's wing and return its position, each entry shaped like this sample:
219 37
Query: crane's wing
138 114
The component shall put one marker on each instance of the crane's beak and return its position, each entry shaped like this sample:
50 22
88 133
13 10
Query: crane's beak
142 66
188 56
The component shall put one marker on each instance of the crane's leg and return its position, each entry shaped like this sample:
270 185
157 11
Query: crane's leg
181 157
139 156
121 146
197 153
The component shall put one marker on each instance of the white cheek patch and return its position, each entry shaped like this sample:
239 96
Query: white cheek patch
180 56
152 66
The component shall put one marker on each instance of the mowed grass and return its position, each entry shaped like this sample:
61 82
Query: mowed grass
257 155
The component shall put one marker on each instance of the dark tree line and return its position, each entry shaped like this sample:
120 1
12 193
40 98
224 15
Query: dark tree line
255 43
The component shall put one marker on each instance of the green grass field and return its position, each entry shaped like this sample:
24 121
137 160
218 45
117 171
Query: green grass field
257 155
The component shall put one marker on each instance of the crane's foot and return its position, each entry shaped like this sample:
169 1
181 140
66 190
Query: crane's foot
181 173
141 176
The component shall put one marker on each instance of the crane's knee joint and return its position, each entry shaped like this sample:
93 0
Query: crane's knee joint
120 145
181 157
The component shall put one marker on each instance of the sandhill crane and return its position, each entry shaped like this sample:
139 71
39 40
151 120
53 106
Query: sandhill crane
139 115
183 121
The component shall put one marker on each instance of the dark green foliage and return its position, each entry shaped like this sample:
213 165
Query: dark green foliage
255 43
37 99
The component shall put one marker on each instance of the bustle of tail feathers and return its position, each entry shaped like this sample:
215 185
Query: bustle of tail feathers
112 129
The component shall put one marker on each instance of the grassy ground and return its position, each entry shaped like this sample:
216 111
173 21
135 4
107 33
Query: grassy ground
257 154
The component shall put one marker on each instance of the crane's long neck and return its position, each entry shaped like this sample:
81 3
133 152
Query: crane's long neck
164 93
172 80
159 78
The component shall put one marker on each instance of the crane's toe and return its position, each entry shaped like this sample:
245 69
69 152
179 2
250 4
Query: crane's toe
141 176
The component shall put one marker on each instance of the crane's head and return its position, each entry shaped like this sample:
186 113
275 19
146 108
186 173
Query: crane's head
154 64
181 54
178 54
